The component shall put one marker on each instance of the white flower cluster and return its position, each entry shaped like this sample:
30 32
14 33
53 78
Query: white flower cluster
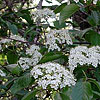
82 55
24 63
33 51
54 36
2 73
43 13
53 75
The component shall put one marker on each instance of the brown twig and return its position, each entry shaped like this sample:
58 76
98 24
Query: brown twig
3 7
40 4
81 42
23 41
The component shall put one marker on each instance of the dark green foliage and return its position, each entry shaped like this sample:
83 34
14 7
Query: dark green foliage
16 19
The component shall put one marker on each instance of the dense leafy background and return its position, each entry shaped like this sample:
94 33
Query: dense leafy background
17 85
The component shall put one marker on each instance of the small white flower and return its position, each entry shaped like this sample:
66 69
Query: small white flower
53 75
35 57
32 49
43 13
62 36
82 55
24 63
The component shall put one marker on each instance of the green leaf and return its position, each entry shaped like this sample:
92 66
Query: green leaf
94 18
30 95
22 92
64 94
57 97
12 57
96 93
95 82
82 91
10 82
59 8
58 26
82 33
67 12
93 37
20 83
50 56
2 21
25 14
88 2
3 87
81 1
16 70
12 27
97 73
98 3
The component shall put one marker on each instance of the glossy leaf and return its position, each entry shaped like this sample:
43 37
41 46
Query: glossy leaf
57 97
93 37
58 26
13 28
95 82
94 18
12 57
25 14
16 70
20 83
82 91
30 95
50 56
64 94
59 8
67 12
97 94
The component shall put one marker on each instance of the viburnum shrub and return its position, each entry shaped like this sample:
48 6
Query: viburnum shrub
49 52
